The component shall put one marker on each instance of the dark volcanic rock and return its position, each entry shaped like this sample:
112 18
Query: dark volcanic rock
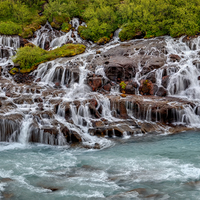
23 78
162 92
95 82
120 68
23 42
151 76
107 87
174 57
165 81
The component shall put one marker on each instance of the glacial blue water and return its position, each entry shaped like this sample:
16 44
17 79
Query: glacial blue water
147 167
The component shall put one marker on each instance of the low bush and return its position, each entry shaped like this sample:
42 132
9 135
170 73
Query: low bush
29 57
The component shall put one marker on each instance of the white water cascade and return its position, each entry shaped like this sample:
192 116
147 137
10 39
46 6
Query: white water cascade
62 106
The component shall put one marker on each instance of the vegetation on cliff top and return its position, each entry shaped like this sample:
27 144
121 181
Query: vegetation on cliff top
30 56
103 17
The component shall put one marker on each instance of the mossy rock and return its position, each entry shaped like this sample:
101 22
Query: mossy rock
103 40
14 70
30 56
66 27
55 25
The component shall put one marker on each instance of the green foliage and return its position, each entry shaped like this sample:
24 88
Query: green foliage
103 40
101 20
66 27
30 56
123 85
17 17
129 31
103 17
10 28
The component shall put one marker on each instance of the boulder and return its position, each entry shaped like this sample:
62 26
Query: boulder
152 77
23 78
146 87
107 87
174 58
23 42
152 63
165 81
4 52
162 92
95 82
119 68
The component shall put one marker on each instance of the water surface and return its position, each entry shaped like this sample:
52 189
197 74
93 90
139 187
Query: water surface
148 167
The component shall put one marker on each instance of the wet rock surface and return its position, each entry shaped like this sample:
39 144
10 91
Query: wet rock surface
72 100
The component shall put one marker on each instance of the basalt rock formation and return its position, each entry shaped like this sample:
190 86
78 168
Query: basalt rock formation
77 100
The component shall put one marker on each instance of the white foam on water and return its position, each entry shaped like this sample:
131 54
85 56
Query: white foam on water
151 169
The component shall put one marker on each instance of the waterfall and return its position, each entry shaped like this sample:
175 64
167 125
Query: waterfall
25 130
10 41
74 100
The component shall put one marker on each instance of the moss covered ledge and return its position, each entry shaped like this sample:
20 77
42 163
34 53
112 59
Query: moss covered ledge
30 56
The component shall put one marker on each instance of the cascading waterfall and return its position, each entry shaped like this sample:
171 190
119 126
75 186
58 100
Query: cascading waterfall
185 81
10 41
25 130
59 107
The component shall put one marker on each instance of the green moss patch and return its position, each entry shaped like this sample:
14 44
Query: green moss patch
29 57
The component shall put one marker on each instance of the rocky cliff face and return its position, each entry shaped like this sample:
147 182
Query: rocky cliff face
77 100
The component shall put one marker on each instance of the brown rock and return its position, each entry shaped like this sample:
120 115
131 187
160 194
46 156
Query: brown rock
97 146
7 195
38 80
107 87
57 84
122 109
131 87
93 111
38 99
5 180
98 52
174 58
149 127
146 87
40 107
152 77
154 90
93 102
8 94
95 83
75 137
23 42
165 81
23 99
119 68
162 92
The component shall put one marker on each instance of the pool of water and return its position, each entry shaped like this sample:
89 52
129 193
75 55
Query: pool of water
148 167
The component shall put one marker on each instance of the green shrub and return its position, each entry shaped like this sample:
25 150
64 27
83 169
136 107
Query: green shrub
66 27
123 85
10 28
128 31
103 17
30 56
